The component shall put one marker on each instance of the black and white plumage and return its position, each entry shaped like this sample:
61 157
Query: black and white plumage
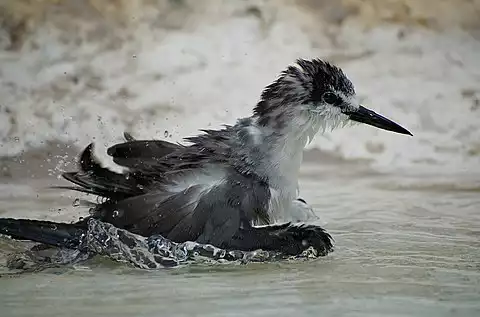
225 187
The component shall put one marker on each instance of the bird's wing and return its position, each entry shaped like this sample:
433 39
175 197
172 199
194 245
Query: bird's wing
203 202
160 159
141 154
152 164
97 180
207 213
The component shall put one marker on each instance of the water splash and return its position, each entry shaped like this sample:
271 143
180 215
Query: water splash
76 202
158 252
154 252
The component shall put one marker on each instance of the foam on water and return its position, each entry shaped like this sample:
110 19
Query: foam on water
78 85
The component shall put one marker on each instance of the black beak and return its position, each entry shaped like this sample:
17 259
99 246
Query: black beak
370 117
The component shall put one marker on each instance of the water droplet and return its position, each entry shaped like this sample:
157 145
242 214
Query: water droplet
134 56
76 202
115 213
165 134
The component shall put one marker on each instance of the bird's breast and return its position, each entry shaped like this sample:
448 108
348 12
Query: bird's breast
281 199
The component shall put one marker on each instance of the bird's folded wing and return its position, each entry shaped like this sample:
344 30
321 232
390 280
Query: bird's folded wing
141 154
161 159
203 213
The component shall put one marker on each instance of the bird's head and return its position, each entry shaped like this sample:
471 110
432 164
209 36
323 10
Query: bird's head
313 94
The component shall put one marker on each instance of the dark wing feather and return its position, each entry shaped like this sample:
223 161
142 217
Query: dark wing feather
143 201
95 179
160 159
128 137
152 164
140 154
287 238
207 214
157 213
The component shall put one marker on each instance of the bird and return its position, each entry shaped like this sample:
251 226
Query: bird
229 187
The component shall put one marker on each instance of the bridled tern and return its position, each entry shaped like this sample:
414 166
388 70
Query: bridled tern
228 187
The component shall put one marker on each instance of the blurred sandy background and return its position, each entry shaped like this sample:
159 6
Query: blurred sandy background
72 72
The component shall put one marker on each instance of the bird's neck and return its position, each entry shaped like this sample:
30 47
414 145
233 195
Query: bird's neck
279 149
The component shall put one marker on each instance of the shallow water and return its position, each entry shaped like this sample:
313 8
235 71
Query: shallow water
407 242
405 245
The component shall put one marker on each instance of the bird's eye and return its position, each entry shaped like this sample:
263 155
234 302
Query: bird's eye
330 97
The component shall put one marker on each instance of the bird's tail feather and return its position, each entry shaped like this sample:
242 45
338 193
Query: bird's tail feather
52 233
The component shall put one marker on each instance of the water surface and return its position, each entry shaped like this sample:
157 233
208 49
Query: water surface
406 245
